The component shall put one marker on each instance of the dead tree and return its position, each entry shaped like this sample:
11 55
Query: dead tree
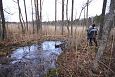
2 21
105 34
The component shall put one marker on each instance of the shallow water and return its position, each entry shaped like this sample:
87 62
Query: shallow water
40 57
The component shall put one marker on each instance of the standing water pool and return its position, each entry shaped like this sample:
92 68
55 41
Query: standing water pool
39 57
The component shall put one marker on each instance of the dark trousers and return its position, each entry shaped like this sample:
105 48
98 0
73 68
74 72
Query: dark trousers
91 40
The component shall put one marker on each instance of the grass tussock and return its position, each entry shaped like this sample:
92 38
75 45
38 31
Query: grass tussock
76 63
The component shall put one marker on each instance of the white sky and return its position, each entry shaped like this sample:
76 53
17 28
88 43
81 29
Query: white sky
48 11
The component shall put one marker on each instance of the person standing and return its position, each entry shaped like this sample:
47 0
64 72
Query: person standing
92 34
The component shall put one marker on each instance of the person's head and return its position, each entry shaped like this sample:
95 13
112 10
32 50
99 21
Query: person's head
93 25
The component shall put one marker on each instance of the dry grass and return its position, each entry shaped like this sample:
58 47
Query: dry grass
76 60
15 35
78 63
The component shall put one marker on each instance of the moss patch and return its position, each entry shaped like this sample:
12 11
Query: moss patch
52 73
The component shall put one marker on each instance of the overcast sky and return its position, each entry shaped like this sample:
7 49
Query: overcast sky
48 10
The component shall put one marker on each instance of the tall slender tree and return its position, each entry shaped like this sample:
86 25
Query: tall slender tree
72 9
32 15
36 2
2 20
87 12
67 17
41 15
102 18
0 27
62 15
20 17
26 14
55 14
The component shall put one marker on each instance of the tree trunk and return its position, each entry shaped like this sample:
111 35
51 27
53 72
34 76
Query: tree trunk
72 17
0 29
26 14
87 13
105 33
55 14
32 16
20 15
37 15
102 19
40 15
62 15
67 18
3 21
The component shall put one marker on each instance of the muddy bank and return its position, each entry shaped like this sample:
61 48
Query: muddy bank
8 45
19 69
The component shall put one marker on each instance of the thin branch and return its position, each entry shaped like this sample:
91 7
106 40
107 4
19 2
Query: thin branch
14 1
8 12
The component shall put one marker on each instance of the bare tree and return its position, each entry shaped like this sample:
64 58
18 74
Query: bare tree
102 18
21 17
36 2
26 14
72 17
105 34
87 12
0 26
32 16
67 17
62 15
2 21
55 14
41 15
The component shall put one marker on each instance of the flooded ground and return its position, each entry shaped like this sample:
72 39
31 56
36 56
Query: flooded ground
39 58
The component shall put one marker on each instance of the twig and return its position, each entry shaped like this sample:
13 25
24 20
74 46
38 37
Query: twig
8 12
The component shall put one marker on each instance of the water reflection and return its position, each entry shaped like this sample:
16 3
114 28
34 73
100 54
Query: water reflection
40 57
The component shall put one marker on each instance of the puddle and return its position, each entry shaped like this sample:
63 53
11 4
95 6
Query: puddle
40 57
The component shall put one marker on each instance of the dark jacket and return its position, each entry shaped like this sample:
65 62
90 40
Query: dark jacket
92 32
